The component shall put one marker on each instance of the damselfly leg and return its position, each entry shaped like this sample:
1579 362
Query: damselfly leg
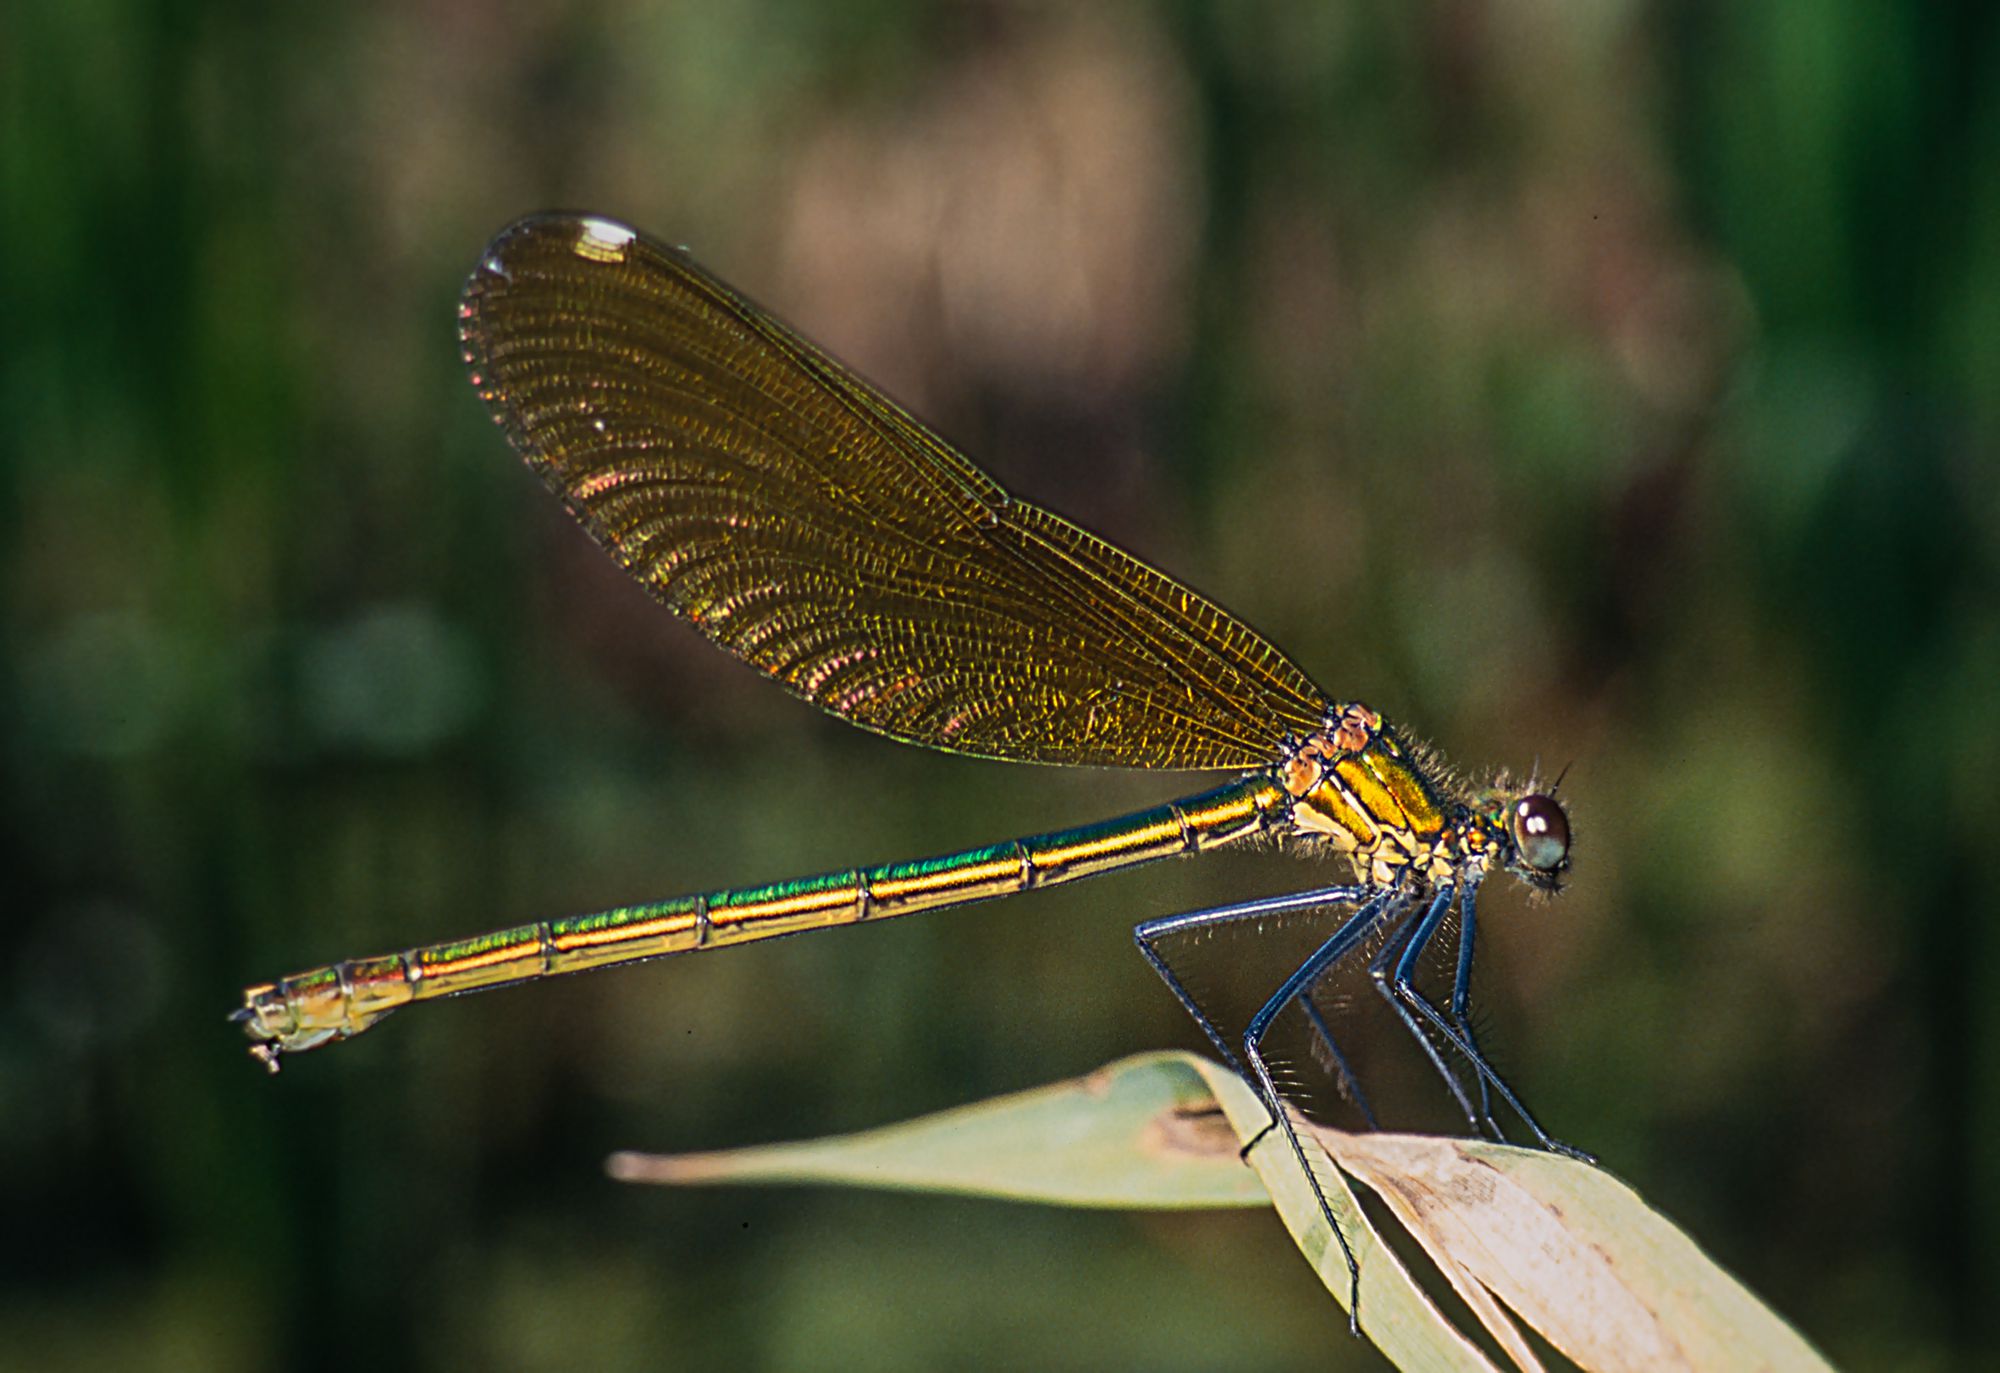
1373 906
1391 971
1456 1032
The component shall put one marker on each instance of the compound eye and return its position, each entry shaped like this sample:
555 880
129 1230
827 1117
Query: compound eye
1541 832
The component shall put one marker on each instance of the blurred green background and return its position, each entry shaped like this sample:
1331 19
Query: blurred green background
1608 384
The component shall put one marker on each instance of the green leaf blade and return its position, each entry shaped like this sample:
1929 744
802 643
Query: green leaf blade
1139 1134
1518 1233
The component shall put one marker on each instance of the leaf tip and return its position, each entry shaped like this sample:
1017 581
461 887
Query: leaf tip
628 1166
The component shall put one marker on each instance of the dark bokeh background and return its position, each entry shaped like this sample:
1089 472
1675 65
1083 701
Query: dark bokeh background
1612 384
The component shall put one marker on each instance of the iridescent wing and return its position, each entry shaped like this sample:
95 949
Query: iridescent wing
808 524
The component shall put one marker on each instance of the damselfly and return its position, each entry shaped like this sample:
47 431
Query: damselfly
806 523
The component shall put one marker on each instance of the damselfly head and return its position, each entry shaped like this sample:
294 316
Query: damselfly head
1537 833
1538 827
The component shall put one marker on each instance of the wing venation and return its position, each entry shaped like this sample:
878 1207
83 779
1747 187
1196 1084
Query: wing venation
809 525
